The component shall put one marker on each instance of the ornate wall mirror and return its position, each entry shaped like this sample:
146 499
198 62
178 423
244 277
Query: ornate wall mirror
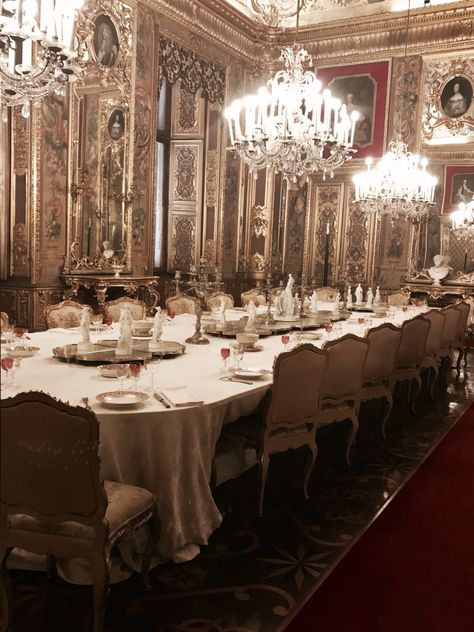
101 148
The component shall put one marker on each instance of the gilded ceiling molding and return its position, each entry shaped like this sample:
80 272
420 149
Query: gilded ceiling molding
222 30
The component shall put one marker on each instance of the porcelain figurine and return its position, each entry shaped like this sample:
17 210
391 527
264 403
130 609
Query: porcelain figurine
313 307
358 294
377 299
369 298
349 303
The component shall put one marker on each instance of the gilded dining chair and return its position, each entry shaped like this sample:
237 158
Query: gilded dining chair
255 295
398 299
52 500
327 294
4 321
449 338
384 342
65 314
462 334
180 304
112 309
411 354
214 300
290 415
342 384
432 359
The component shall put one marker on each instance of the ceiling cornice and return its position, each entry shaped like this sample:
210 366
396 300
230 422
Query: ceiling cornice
213 28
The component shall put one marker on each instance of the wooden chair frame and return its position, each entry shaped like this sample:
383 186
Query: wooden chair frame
51 313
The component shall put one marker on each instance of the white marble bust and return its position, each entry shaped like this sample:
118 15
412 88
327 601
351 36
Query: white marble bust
440 270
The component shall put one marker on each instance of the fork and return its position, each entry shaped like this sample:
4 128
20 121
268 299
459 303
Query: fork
234 379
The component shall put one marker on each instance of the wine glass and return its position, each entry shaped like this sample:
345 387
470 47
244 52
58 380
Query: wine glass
225 353
285 340
21 333
329 329
96 321
152 367
171 316
7 365
121 372
238 353
15 366
135 369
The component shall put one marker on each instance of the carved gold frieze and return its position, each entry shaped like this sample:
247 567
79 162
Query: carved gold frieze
183 242
185 173
257 263
21 142
260 222
212 177
20 250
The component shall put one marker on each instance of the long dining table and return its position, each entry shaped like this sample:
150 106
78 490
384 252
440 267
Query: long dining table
167 450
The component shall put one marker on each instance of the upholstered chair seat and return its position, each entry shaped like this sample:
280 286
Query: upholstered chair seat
214 300
180 304
255 295
398 299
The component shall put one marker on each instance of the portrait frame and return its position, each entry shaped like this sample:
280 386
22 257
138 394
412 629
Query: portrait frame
453 181
373 104
444 123
105 26
116 124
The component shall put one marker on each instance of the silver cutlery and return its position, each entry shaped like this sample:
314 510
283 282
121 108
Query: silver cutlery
162 400
85 401
234 379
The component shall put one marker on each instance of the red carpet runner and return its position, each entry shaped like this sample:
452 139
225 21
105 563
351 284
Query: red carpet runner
413 570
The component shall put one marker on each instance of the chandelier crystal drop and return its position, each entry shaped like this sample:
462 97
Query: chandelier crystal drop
37 49
398 185
292 128
463 220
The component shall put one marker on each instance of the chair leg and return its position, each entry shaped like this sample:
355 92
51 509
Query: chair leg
352 436
434 380
310 465
389 400
100 576
263 471
5 620
417 392
151 546
458 363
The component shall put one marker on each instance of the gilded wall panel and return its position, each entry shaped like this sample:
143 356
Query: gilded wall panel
405 102
188 111
231 214
143 146
183 242
325 207
295 228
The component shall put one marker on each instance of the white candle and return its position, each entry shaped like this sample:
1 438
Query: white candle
327 228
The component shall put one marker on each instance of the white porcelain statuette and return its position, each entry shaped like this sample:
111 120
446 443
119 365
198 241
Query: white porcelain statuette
84 328
349 303
313 307
369 299
125 341
377 299
157 331
358 294
252 312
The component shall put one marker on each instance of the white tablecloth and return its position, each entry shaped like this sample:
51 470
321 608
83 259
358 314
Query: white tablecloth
167 451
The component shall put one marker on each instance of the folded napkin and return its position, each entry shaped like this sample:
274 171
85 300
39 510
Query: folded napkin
180 396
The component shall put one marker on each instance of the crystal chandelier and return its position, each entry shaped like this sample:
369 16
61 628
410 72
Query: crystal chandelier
463 220
292 128
399 185
37 49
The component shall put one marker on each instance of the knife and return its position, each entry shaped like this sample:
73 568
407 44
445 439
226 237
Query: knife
162 400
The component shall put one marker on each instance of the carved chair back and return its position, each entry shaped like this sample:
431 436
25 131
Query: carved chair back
465 310
398 299
346 359
180 304
65 314
49 461
255 295
449 333
3 321
297 377
384 342
112 309
326 294
413 342
433 341
214 300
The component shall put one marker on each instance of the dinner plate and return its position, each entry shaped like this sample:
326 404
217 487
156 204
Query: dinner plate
122 399
251 373
22 351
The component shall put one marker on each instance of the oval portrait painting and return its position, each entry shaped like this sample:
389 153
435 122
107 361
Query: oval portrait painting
105 41
116 124
456 97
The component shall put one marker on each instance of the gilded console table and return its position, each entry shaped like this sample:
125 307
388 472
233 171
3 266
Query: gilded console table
100 283
439 292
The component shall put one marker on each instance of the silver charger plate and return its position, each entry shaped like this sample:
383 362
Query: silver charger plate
122 399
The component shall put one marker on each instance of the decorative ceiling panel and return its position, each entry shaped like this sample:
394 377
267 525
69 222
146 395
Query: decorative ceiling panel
282 13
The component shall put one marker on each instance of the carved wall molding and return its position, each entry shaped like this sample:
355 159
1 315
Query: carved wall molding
259 223
211 177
